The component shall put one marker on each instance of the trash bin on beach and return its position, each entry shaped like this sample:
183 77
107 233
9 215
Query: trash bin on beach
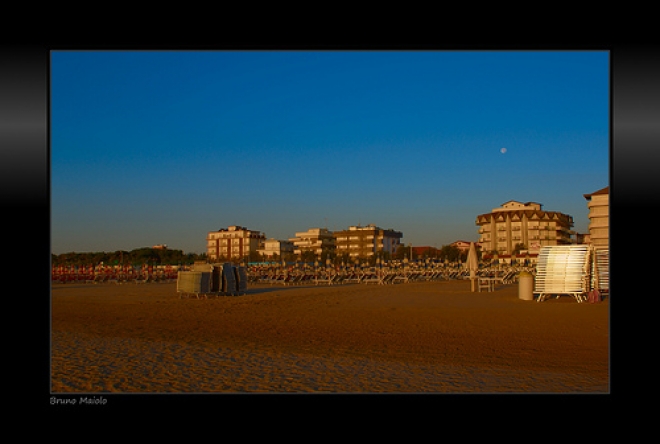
525 286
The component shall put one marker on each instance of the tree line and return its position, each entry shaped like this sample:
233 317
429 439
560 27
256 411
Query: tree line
139 256
157 256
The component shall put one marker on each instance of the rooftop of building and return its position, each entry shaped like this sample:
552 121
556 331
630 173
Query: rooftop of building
605 190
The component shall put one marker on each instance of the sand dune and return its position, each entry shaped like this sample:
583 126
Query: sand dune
421 337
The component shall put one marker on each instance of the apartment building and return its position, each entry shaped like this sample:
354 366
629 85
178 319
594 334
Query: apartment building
366 241
523 223
316 240
598 203
273 247
234 242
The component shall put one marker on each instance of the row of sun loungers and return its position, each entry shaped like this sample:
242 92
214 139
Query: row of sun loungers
385 277
112 279
375 277
343 278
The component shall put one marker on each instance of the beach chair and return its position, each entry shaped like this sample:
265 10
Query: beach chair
400 278
337 279
322 279
287 279
295 279
510 277
307 279
370 278
388 279
351 278
485 283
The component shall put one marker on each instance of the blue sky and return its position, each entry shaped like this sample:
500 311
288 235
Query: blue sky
161 147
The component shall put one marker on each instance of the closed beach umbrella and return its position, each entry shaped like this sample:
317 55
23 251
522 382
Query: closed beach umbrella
471 263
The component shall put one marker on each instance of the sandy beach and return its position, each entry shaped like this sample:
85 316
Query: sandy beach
419 337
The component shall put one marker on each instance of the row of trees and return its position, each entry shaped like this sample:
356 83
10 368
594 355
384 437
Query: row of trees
156 256
139 256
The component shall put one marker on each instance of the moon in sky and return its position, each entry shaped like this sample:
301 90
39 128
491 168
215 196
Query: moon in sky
503 150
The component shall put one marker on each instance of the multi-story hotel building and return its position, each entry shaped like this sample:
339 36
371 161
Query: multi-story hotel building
274 247
234 242
366 241
598 203
316 240
515 223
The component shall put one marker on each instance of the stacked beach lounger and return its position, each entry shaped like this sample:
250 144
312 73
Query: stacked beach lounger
234 280
195 283
563 270
241 279
600 270
216 279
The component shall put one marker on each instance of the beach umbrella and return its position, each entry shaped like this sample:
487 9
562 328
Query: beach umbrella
471 263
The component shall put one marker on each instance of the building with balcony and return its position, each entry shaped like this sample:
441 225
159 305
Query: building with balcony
364 242
316 240
598 203
233 243
272 248
528 224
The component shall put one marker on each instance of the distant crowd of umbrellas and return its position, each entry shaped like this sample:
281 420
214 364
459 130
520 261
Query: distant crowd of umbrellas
115 273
